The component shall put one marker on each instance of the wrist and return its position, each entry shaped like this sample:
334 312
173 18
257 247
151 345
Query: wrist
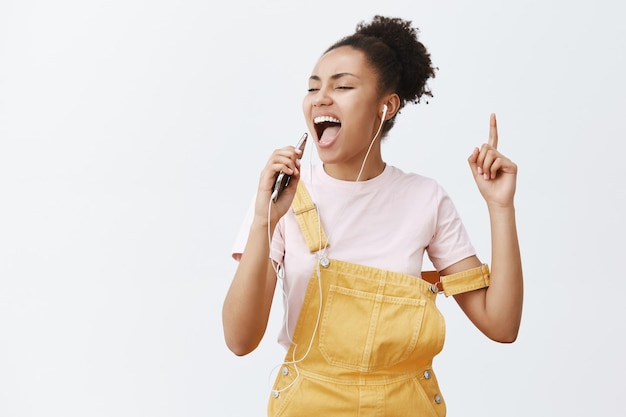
501 211
500 206
259 222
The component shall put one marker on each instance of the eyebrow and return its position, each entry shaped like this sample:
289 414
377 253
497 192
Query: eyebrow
334 76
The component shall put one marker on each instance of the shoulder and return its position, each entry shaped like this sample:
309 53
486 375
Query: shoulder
412 182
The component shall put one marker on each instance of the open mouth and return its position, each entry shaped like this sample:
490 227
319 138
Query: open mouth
326 127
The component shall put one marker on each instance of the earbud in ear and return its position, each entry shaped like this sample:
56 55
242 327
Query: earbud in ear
384 111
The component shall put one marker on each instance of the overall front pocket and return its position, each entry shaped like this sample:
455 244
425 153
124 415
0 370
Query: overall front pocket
364 331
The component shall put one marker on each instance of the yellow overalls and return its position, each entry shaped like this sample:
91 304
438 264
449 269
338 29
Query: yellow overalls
367 350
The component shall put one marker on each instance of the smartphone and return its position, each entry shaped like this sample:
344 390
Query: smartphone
282 179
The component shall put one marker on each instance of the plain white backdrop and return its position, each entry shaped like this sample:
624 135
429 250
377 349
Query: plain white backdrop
132 134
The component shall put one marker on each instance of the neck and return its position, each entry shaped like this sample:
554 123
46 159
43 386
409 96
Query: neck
374 166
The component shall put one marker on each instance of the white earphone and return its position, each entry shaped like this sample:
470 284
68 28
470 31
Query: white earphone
384 111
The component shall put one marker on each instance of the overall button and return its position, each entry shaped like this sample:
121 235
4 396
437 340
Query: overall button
275 394
324 262
285 371
438 398
427 374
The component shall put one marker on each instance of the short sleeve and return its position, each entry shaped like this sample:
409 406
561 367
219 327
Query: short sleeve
242 235
450 242
278 245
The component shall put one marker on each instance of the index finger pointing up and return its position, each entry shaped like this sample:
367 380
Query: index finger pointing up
493 131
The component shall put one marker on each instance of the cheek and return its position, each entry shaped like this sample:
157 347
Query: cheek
306 112
364 119
306 104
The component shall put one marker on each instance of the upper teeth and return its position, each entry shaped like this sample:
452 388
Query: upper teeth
322 119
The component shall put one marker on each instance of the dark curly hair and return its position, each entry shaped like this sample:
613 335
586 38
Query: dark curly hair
402 62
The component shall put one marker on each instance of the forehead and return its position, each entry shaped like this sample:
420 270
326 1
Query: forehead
344 59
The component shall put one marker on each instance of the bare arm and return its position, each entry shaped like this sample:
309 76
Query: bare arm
246 308
497 310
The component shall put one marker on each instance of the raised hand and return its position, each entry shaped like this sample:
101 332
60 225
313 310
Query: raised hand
495 174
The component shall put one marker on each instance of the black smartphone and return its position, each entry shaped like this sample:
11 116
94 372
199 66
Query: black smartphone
282 179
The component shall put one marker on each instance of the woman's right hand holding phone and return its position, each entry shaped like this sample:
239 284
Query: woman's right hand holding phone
286 160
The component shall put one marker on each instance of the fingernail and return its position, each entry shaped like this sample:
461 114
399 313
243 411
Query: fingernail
480 170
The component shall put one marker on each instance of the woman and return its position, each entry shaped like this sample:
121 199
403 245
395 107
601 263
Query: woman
347 241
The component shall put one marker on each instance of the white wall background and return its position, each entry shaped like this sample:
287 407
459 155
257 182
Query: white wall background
131 136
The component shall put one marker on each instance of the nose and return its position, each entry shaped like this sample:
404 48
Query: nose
322 98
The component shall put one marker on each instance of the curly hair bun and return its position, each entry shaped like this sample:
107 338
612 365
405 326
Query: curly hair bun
392 46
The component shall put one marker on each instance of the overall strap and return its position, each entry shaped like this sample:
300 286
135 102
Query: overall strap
308 219
464 281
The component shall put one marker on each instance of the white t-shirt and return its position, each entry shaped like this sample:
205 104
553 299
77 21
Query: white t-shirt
386 222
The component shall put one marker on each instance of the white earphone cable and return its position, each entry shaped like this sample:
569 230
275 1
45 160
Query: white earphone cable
279 270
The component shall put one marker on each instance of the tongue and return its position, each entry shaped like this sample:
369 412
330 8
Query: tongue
329 133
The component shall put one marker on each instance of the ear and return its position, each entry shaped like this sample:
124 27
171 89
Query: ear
392 101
